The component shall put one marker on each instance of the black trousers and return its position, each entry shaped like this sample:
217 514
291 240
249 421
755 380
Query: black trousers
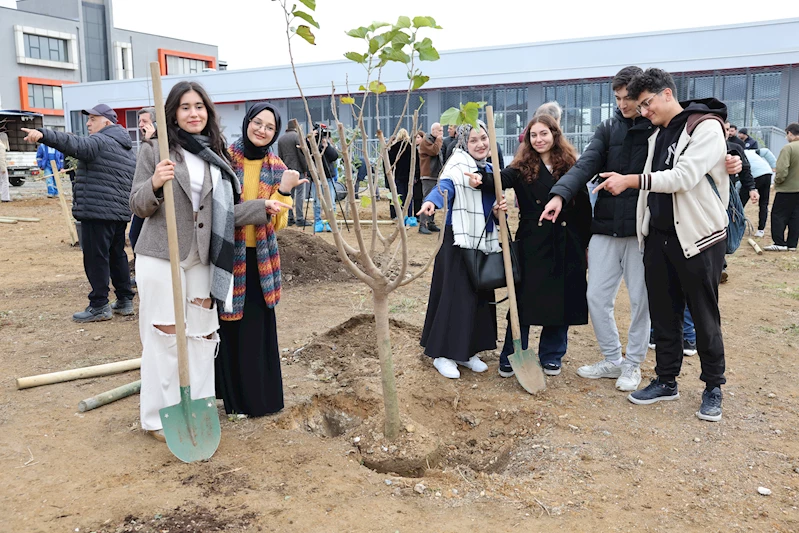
672 281
104 257
763 186
135 229
401 183
785 213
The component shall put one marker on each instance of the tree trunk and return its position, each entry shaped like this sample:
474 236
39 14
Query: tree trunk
386 364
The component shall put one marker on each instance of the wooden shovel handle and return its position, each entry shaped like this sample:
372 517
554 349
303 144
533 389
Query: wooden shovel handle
171 230
503 227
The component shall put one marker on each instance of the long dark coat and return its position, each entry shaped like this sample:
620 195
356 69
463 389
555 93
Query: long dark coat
552 256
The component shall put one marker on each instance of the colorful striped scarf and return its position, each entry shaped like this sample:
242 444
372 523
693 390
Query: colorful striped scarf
266 240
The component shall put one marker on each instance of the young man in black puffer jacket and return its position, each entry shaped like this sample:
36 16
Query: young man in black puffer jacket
106 166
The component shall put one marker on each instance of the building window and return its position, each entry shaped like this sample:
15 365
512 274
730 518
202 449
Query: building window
94 23
46 48
41 95
78 123
764 108
38 47
44 97
177 63
123 53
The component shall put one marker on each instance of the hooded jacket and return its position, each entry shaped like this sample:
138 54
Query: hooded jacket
700 215
106 164
619 145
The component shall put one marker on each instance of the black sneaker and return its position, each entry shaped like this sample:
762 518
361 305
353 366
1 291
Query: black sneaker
724 276
303 223
423 230
290 222
655 392
711 405
551 369
93 314
123 307
688 347
505 370
432 227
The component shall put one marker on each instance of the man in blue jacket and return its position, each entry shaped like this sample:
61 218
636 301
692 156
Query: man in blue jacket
106 163
44 155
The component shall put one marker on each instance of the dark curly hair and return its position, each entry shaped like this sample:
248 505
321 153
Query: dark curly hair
528 161
652 80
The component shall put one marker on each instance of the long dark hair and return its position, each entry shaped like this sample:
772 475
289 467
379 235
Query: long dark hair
528 161
211 130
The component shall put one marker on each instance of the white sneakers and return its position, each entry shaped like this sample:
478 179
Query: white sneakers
760 233
449 368
775 248
602 369
627 375
630 377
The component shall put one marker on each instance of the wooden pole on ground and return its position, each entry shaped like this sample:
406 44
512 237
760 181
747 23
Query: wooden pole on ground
73 233
7 221
22 219
109 396
753 244
79 373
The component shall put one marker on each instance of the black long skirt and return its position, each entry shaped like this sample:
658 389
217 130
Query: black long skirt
248 375
460 322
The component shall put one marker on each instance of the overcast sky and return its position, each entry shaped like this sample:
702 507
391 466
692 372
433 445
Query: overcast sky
251 33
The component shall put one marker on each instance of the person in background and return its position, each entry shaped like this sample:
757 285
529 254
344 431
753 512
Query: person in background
762 172
785 211
106 164
248 372
452 137
749 142
329 157
290 152
147 128
552 109
44 156
429 154
5 196
399 155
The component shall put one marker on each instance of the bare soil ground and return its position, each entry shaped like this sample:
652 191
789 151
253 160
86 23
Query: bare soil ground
577 457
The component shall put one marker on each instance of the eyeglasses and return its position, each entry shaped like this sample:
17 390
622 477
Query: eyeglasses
258 125
646 103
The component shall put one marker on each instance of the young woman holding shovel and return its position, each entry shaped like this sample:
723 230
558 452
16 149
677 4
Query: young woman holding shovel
552 256
248 366
460 321
205 194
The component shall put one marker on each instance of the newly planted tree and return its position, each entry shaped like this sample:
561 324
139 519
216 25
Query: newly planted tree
384 271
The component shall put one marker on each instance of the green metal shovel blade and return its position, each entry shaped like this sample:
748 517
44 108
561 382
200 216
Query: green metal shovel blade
191 427
527 368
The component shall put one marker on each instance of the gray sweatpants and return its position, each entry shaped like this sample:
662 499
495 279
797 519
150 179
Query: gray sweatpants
609 260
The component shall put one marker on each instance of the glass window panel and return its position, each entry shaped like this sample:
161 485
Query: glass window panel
38 95
766 85
765 113
58 99
734 87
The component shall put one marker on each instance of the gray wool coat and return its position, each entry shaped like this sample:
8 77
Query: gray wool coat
145 203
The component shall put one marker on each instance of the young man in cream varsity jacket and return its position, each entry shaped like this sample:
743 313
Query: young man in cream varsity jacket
682 225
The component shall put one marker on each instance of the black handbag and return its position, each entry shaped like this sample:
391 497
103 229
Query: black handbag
487 271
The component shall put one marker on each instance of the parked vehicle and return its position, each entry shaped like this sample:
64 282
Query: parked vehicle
21 156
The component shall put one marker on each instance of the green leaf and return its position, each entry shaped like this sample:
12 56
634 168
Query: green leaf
470 116
403 22
374 46
361 88
429 54
377 87
307 18
377 25
358 33
356 57
310 4
472 106
347 100
425 22
419 80
305 32
393 54
400 38
451 116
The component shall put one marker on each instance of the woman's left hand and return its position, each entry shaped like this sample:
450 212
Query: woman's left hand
290 179
273 207
475 179
501 206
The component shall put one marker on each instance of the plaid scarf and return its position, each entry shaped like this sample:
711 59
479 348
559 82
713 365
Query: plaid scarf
470 226
226 192
266 240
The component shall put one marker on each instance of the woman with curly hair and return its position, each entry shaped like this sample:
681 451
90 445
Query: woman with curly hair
552 256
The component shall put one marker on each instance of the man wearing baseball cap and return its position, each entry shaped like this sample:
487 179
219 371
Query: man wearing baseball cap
106 163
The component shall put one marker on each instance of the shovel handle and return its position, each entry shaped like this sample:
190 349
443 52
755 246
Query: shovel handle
171 230
503 228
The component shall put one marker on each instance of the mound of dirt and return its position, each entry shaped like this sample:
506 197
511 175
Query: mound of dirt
188 519
349 350
305 259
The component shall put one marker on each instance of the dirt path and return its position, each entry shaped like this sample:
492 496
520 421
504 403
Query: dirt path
579 457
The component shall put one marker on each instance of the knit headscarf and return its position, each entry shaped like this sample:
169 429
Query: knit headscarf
463 139
252 152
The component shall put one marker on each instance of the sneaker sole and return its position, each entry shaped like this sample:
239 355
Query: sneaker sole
552 372
654 400
93 319
689 353
709 418
597 377
124 313
504 374
629 389
651 346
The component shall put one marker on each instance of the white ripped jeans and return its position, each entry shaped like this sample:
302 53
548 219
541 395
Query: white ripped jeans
160 385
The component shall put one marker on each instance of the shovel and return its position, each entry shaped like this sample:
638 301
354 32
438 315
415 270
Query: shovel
191 427
525 363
